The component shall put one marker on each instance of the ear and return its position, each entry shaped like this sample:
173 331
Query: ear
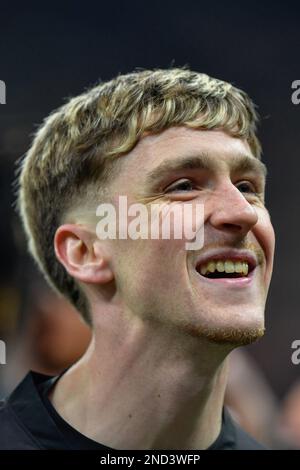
82 254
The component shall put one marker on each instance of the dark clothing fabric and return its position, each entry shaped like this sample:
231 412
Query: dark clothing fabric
29 421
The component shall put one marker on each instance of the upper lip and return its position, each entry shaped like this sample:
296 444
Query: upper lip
230 254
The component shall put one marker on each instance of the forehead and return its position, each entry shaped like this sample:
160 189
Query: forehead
181 145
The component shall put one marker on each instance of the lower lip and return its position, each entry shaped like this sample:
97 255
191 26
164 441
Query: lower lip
231 282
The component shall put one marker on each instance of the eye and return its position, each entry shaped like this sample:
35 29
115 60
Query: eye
247 187
183 185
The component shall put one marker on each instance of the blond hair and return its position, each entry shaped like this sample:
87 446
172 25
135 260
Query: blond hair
75 147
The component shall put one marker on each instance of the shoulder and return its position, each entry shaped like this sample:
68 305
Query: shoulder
13 436
242 440
23 416
233 437
245 442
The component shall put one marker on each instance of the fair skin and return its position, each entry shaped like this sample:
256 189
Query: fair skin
155 373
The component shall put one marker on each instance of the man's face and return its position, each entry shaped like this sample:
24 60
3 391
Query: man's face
161 280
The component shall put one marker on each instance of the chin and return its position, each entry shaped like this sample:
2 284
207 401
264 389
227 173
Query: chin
235 335
244 328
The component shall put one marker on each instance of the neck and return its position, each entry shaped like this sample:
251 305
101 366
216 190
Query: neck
145 387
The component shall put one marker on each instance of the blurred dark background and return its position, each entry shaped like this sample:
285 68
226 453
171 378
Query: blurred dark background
52 51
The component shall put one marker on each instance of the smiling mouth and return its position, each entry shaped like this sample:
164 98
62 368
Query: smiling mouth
223 269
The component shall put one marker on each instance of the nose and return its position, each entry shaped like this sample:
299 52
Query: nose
231 211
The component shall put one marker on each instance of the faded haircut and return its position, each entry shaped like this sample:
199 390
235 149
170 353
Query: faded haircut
75 150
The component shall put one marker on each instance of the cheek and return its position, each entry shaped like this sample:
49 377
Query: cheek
266 237
149 260
181 224
151 275
161 268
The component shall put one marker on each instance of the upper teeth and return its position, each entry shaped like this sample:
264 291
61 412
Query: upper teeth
226 266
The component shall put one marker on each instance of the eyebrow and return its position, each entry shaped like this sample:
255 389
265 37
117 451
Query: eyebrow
238 163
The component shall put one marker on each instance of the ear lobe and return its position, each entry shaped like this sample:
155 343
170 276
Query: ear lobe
102 273
79 253
105 273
